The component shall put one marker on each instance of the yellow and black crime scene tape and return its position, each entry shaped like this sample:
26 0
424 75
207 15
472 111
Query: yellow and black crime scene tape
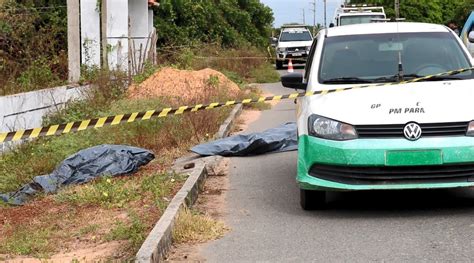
71 127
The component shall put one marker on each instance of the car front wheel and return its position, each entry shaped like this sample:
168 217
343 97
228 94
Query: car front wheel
312 200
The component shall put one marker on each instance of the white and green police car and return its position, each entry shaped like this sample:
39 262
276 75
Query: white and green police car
404 136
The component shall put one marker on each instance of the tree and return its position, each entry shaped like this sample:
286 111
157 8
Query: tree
429 11
231 22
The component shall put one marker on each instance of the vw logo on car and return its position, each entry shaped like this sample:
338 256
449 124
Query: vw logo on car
412 131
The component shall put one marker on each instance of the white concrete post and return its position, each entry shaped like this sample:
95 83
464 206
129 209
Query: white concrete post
139 33
90 33
73 41
117 34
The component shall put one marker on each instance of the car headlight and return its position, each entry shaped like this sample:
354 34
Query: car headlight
470 129
330 129
308 48
281 49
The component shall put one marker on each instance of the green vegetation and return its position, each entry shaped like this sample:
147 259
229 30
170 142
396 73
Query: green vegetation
33 36
134 231
33 51
266 74
109 193
26 242
232 23
430 11
193 227
241 65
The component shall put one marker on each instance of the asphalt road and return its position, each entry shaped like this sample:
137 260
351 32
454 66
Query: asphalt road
396 226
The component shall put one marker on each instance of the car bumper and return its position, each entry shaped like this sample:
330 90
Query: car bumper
287 56
380 164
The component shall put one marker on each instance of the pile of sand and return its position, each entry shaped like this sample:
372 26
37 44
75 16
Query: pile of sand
184 84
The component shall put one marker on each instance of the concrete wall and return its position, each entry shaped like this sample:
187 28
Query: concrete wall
26 110
117 34
139 32
90 33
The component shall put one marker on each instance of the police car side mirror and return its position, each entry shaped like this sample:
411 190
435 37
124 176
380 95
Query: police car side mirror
471 36
294 81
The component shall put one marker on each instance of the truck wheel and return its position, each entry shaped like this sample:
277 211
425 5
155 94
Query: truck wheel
279 64
312 200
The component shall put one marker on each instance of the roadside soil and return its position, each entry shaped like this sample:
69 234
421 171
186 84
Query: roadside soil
184 84
212 201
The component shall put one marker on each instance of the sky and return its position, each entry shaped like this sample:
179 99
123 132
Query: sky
291 11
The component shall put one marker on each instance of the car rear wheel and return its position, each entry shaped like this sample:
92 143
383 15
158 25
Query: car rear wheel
279 64
312 200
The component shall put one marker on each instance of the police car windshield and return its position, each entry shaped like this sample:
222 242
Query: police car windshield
359 19
290 36
375 57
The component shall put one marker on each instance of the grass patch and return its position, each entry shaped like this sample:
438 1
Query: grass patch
266 73
26 241
255 93
120 192
88 229
133 232
192 227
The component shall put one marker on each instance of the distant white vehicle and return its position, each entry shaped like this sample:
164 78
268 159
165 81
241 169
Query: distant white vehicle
358 14
294 43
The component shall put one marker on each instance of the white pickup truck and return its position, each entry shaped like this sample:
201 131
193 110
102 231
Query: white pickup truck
350 14
294 43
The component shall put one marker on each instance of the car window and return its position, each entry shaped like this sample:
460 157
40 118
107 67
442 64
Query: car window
295 36
309 62
370 57
351 20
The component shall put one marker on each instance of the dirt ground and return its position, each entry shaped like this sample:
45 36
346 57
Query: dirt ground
212 200
185 84
92 253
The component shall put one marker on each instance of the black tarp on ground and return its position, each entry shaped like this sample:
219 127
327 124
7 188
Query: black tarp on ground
82 167
280 139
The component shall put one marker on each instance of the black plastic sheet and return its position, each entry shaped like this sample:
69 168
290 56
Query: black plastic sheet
82 167
280 139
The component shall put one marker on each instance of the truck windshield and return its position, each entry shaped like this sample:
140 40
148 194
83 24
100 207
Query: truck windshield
359 19
295 36
375 57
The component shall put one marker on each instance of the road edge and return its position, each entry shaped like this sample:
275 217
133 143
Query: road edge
159 241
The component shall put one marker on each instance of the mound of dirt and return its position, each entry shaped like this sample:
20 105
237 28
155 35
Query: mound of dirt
185 84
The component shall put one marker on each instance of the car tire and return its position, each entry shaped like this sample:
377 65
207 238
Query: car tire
312 200
279 64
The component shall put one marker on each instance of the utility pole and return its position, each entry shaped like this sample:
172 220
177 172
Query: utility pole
103 31
314 16
73 41
397 8
325 14
304 17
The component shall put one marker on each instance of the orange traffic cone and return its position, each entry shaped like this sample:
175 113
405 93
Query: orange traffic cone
290 67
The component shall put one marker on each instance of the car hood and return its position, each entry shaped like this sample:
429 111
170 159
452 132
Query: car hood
295 44
422 102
